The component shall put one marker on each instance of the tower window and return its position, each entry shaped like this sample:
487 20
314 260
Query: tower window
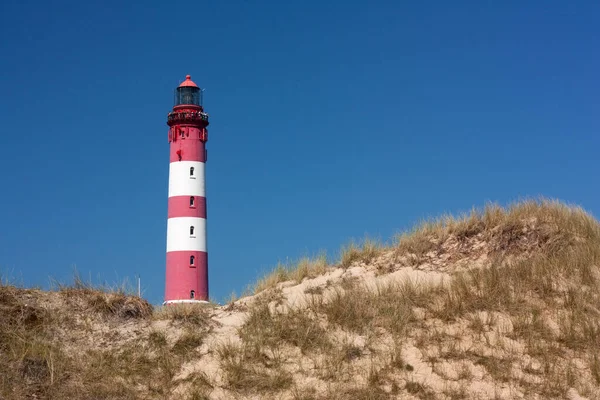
191 230
192 201
191 171
192 294
192 260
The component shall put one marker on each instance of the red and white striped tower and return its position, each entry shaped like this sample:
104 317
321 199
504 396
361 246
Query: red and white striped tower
187 257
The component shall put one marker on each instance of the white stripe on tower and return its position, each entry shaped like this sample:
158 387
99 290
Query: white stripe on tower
186 234
181 183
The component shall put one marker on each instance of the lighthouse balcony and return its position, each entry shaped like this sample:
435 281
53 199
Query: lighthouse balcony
187 117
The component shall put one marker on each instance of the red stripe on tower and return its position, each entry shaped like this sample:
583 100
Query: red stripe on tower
187 255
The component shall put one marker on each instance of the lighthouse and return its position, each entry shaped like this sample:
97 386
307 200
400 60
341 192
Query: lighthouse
187 256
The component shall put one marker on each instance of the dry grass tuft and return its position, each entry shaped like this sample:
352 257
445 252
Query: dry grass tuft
188 342
246 370
361 309
105 301
186 314
419 389
365 393
363 252
199 386
305 268
266 329
535 225
118 304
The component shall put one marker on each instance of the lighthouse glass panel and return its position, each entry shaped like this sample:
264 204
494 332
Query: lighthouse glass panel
188 95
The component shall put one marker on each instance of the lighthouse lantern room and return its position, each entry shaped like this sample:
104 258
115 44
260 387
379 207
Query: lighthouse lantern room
187 255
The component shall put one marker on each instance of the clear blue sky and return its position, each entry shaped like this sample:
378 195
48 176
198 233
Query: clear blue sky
330 121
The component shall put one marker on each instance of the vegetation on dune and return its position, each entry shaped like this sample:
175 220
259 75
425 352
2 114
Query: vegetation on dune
518 309
542 276
305 268
41 357
364 252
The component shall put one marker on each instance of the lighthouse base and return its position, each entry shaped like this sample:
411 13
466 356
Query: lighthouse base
168 302
186 275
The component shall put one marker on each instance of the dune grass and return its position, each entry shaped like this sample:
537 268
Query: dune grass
248 369
539 289
35 358
506 229
364 252
538 224
186 314
306 267
556 277
544 260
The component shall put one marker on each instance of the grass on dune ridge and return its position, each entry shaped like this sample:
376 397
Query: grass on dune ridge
549 294
554 218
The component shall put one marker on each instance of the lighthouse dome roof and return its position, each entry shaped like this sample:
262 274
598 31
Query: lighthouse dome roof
188 82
